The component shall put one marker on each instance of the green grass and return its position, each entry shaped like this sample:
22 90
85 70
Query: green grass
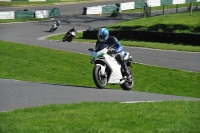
131 43
22 20
179 23
159 117
30 63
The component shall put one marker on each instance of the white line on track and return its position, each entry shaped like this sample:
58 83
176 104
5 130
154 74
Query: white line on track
139 101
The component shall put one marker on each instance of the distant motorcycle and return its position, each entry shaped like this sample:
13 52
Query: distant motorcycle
69 36
115 13
53 28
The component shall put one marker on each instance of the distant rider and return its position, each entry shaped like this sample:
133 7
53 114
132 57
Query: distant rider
57 24
104 38
71 30
69 33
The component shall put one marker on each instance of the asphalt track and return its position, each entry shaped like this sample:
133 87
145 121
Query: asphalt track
19 94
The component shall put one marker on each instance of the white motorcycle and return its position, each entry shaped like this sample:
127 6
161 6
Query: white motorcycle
107 70
53 28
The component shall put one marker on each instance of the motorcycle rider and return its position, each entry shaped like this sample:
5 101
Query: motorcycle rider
72 30
104 38
69 31
56 24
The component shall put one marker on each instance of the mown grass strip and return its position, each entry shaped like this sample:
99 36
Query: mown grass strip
165 117
22 20
30 63
179 22
131 43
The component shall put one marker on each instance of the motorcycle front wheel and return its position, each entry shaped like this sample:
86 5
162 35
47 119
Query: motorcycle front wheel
69 39
128 85
99 80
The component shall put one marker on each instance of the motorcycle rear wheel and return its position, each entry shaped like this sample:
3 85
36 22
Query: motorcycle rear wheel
128 85
99 81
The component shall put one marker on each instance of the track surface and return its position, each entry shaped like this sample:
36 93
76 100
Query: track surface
19 94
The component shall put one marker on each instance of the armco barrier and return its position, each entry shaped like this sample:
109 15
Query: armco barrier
153 36
92 10
25 14
41 13
166 2
134 5
7 15
127 5
54 12
30 14
139 5
108 8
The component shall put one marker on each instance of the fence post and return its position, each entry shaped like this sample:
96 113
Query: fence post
167 11
191 8
146 9
176 8
163 9
149 13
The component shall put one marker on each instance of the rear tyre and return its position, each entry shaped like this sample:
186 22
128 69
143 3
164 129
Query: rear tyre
128 85
99 80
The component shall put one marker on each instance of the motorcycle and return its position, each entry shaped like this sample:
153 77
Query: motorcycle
69 36
107 70
115 13
53 28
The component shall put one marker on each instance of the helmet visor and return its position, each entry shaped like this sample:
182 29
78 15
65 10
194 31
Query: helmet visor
101 36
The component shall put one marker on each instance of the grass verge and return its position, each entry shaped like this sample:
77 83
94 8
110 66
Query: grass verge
131 43
30 63
179 22
22 20
165 117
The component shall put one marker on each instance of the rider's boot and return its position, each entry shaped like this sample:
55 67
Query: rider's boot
127 73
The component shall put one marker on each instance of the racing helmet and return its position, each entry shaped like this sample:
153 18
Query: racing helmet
103 34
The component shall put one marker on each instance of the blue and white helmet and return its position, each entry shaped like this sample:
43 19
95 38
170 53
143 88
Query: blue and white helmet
103 34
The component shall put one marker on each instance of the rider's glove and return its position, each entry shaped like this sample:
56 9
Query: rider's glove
112 50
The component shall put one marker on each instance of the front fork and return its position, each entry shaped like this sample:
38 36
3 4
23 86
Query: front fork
103 69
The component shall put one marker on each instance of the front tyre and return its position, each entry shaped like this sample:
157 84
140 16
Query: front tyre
99 80
69 39
128 85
